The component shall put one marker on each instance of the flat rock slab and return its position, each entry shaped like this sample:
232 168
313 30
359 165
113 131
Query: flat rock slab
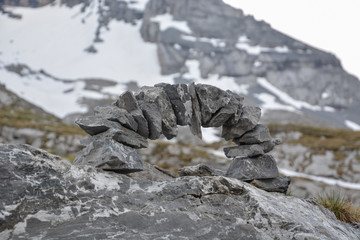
262 167
95 124
200 170
243 151
110 155
128 102
279 184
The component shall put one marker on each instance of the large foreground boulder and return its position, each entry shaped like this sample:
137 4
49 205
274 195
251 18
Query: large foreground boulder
45 197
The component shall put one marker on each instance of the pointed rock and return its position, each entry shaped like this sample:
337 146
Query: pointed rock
249 118
115 114
278 184
94 124
158 111
108 154
262 167
211 99
195 122
128 102
180 100
259 134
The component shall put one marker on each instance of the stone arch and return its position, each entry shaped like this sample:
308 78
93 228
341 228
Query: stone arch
118 130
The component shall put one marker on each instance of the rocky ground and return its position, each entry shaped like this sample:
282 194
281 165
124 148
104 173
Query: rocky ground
46 197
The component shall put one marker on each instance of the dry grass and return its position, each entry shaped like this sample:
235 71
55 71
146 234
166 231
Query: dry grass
343 209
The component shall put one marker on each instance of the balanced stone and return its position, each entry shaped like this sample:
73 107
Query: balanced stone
248 120
128 102
211 99
195 123
261 167
251 150
244 151
119 115
94 124
259 134
180 100
107 154
232 111
158 111
200 170
278 184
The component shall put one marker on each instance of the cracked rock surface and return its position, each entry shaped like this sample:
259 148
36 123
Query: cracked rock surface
44 197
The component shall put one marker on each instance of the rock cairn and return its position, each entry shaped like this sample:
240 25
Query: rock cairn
118 130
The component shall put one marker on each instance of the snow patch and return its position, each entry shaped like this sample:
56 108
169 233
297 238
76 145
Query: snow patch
210 135
167 21
269 103
352 125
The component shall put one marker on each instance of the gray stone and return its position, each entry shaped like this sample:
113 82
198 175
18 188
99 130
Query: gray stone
44 197
261 167
128 102
116 114
158 111
170 59
195 123
94 124
278 184
269 145
231 112
211 99
200 170
180 100
249 118
259 134
243 151
110 155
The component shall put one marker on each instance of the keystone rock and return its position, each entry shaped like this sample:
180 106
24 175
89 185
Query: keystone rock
261 167
158 111
128 102
195 123
180 100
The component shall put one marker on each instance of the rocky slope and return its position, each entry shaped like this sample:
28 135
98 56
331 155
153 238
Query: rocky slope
49 198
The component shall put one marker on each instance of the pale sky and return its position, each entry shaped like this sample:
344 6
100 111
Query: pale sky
331 25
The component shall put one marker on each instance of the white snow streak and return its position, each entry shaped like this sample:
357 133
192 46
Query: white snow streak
352 125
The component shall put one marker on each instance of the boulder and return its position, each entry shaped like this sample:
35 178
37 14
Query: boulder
200 170
180 99
278 184
261 167
211 99
128 102
259 134
44 197
108 154
249 118
195 122
116 114
158 111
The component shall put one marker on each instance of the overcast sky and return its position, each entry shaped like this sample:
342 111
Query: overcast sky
331 25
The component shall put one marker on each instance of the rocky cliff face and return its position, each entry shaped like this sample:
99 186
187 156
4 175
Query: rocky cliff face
49 198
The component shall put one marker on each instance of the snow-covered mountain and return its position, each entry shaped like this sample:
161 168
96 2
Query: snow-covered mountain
67 56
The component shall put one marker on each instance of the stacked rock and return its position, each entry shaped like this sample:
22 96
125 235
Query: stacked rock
118 130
